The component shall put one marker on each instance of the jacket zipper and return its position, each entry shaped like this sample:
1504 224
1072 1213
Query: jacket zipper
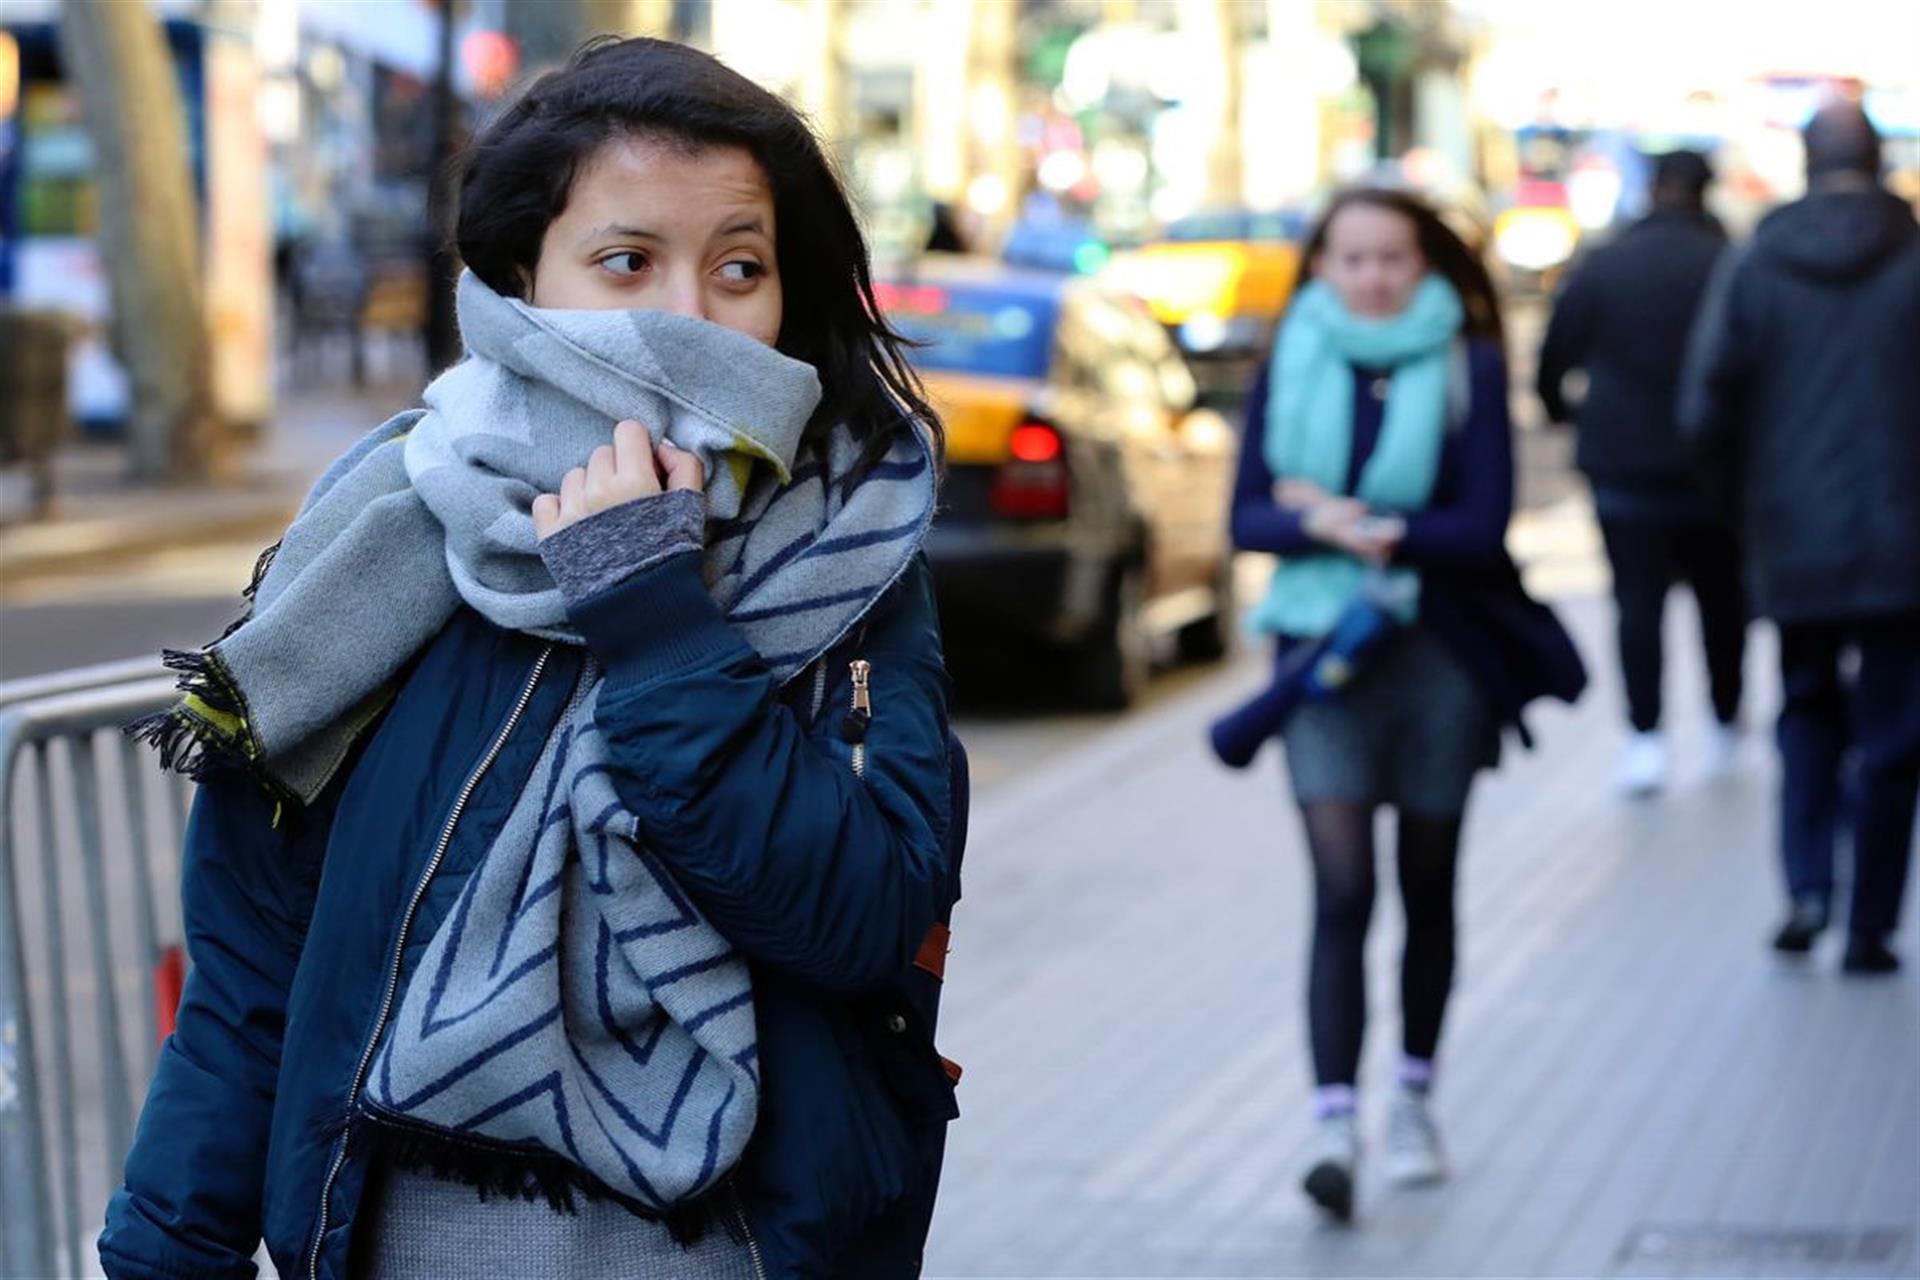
861 715
400 943
746 1231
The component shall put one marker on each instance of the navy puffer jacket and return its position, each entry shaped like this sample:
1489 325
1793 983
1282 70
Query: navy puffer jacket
826 871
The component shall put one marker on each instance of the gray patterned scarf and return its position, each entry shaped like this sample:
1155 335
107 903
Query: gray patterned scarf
574 1004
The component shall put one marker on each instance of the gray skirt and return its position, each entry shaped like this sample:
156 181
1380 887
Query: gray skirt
422 1228
1410 731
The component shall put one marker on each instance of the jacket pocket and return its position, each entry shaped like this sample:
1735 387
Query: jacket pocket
899 1041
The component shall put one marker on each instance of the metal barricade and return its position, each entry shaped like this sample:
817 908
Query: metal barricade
90 829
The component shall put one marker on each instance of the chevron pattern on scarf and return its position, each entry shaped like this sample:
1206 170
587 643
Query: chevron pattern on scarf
574 1003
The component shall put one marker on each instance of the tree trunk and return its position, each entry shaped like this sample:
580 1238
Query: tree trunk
149 236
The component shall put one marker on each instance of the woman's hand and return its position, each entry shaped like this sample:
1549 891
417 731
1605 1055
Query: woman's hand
632 467
1296 494
1348 525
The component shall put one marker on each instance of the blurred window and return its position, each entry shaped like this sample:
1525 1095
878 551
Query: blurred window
1258 227
1173 385
991 332
1115 348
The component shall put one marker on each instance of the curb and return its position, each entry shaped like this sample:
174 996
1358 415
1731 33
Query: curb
38 550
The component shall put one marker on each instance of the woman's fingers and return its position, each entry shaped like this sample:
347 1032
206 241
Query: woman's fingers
546 515
603 486
632 446
1295 492
681 467
630 468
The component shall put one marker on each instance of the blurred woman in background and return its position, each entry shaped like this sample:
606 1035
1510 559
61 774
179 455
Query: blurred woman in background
1378 453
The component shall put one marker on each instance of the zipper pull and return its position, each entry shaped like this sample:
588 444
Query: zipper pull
854 727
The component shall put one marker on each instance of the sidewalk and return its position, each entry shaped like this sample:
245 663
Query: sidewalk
1632 1085
99 517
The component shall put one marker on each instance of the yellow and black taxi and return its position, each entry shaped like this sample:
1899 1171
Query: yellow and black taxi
1218 281
1085 507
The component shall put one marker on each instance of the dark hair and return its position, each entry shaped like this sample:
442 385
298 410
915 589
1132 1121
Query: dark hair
1840 138
1444 251
517 175
1681 177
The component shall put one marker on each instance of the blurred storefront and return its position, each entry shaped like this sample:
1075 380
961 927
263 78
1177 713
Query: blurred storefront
310 134
48 205
1078 126
1577 94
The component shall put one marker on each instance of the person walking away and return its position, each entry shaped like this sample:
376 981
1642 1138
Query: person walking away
1378 445
1803 383
1622 319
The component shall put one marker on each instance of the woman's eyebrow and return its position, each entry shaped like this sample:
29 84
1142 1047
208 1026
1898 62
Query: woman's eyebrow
619 231
751 223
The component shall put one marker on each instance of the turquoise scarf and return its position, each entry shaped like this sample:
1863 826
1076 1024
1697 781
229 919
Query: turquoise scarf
1310 434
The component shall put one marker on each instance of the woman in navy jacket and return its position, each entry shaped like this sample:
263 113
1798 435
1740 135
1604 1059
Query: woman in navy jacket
1404 470
810 808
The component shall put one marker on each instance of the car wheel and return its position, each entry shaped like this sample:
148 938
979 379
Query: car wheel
1211 638
1113 667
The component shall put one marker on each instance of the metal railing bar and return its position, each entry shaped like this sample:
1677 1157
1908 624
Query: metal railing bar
93 857
25 1246
62 1027
146 920
78 679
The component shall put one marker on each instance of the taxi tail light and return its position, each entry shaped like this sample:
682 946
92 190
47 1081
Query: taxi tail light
1032 483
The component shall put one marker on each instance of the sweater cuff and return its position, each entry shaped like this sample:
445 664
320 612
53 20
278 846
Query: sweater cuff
658 622
602 551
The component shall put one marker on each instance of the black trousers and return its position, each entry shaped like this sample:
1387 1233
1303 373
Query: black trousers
1866 713
1649 555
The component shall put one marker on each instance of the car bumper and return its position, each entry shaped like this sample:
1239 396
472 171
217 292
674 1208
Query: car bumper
1033 582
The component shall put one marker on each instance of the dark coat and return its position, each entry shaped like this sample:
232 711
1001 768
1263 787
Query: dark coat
1471 596
1803 384
301 928
1622 317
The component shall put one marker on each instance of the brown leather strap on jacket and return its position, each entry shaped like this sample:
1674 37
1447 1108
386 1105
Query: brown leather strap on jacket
933 952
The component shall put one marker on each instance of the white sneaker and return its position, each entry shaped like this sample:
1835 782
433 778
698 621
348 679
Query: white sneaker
1723 751
1643 765
1414 1157
1334 1165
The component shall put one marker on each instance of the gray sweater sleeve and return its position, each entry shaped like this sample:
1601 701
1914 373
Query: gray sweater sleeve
607 548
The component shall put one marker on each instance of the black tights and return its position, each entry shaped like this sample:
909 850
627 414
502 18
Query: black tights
1340 835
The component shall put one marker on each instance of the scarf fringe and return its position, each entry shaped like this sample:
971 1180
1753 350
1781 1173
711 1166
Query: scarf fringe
532 1175
190 743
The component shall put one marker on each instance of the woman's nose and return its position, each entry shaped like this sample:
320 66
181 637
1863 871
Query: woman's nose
685 297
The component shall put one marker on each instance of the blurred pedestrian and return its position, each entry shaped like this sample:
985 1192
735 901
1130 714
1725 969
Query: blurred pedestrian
1622 319
563 880
1378 463
943 233
1803 382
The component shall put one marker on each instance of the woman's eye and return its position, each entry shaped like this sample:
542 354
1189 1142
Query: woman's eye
625 264
744 271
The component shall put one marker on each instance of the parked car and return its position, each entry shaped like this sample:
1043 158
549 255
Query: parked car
1218 281
1085 507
